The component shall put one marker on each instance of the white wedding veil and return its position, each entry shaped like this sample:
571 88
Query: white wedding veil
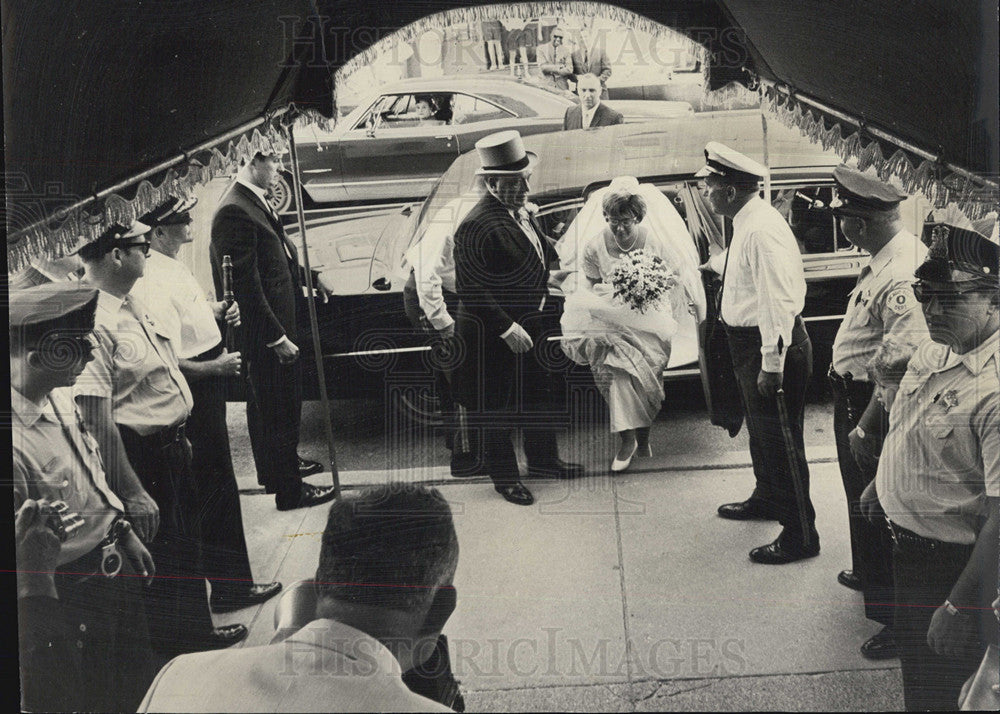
663 223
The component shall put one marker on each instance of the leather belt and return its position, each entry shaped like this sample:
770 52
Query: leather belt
907 539
169 436
845 382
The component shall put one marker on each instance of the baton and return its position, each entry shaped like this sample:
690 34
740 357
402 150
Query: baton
793 463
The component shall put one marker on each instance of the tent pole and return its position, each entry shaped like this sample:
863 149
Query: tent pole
767 160
313 320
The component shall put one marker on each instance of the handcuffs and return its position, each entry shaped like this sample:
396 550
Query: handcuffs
111 558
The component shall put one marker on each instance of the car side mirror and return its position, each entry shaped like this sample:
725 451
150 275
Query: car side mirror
382 285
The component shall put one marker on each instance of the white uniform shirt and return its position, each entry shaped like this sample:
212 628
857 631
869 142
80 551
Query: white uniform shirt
881 304
136 367
765 285
173 296
324 667
941 457
432 259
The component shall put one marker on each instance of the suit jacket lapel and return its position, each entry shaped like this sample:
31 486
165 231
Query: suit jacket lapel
270 219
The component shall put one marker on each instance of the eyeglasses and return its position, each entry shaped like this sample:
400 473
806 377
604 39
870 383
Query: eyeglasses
625 222
144 246
924 293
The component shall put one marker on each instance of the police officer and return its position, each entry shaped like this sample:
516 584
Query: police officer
938 479
169 289
84 644
763 292
134 397
880 305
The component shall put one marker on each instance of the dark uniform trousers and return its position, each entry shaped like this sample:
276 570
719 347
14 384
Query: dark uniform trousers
274 413
924 578
225 561
176 602
770 457
871 544
92 650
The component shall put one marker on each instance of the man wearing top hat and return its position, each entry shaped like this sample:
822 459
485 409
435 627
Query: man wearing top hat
881 305
938 480
136 402
84 643
169 289
763 292
502 263
267 286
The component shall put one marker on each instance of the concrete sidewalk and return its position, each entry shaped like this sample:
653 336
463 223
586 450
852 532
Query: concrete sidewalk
626 594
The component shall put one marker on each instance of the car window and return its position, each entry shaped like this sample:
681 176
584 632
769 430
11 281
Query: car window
470 110
556 219
395 111
807 210
510 105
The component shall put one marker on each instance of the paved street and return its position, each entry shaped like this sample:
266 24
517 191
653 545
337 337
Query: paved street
624 594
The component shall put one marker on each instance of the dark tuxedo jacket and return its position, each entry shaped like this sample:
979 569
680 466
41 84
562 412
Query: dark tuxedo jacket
603 116
500 280
265 268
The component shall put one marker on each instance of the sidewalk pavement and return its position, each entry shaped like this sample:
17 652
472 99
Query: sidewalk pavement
626 593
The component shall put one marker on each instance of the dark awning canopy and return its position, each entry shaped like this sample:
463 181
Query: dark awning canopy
98 94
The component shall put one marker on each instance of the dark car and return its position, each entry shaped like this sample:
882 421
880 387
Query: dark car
366 315
384 151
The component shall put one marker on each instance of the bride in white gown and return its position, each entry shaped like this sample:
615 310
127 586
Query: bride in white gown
627 350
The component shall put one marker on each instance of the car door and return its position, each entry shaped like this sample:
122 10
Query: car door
390 155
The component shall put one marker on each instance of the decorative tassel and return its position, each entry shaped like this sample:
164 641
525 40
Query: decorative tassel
60 235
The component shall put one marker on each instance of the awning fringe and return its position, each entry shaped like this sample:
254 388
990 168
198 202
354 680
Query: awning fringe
63 232
940 186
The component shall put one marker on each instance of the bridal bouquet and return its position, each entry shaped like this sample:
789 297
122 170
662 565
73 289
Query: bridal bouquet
641 279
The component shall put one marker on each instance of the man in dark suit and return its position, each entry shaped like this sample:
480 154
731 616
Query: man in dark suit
590 112
589 58
266 286
505 317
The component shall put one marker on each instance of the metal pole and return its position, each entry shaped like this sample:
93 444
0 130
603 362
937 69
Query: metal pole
793 465
313 320
767 160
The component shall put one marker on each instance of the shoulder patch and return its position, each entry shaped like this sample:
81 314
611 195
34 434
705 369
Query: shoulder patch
901 300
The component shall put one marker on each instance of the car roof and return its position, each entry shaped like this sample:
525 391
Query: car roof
569 161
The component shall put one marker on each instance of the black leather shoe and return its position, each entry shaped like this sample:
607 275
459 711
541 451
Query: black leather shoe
240 597
307 496
218 638
778 553
516 493
849 579
308 467
881 646
749 510
556 469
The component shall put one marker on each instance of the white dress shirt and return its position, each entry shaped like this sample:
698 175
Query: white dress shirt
432 259
764 283
587 115
173 296
324 667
